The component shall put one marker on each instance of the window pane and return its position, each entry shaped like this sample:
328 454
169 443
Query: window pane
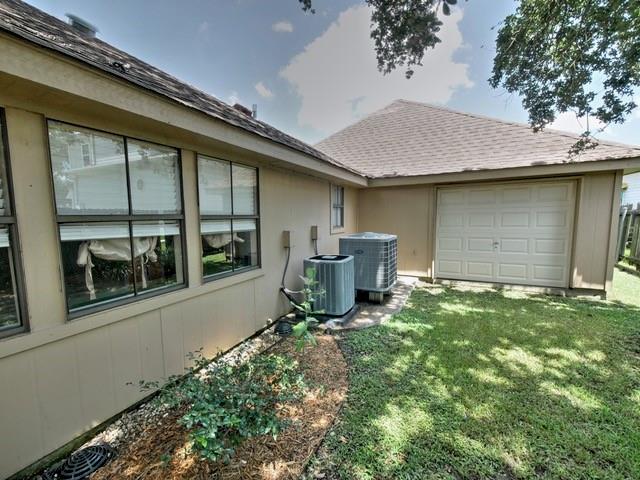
216 246
214 186
96 261
155 178
245 244
8 301
245 181
158 255
89 172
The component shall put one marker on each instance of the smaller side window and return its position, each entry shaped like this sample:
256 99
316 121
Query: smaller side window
337 207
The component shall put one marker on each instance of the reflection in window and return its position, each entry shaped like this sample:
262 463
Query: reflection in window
96 261
230 191
8 300
155 187
89 171
245 253
158 254
12 305
245 183
217 246
130 249
214 186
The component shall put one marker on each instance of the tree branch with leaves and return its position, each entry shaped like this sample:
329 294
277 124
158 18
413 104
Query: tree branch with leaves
580 56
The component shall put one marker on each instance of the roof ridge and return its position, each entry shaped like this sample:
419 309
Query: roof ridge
553 131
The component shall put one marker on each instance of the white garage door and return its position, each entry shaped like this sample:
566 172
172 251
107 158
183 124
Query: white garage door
517 233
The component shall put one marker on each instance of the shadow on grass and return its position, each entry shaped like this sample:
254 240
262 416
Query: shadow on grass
493 385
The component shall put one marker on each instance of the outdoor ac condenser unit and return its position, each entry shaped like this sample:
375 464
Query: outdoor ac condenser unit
334 274
375 261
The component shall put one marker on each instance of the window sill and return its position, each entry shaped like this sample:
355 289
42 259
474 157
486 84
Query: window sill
220 276
13 331
27 341
337 230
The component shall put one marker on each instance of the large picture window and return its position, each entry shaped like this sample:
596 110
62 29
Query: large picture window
12 305
229 216
120 216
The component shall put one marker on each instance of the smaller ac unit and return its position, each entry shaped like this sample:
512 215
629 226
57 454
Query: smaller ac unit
334 274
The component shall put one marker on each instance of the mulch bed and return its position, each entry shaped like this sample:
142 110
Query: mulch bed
161 451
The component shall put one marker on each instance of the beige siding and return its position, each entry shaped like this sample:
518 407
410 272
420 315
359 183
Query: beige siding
592 255
407 212
68 376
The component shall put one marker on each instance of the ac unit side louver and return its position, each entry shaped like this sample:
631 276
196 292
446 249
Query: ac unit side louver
375 260
334 274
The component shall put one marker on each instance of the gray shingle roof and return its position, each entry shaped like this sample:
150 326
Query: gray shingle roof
29 23
410 138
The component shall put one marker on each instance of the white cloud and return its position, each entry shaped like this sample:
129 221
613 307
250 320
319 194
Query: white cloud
283 26
569 122
338 81
203 28
263 90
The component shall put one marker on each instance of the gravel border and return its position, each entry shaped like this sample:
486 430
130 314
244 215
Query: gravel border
132 423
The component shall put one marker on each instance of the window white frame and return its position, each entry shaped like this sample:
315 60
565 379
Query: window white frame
337 208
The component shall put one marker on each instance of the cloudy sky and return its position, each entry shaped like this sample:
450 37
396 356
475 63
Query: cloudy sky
310 74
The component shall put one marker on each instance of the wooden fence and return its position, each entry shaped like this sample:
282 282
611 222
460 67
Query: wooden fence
629 235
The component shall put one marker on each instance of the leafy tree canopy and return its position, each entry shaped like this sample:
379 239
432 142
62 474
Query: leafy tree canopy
580 56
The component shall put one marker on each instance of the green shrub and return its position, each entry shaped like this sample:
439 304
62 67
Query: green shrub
225 405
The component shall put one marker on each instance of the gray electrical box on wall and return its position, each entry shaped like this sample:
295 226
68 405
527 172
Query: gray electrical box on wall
314 232
286 239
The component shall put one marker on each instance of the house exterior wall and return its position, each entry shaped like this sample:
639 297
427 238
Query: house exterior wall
407 212
410 211
66 377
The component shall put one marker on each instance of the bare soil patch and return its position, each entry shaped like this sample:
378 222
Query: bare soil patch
161 451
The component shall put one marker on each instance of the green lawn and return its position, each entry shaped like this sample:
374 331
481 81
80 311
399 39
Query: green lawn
494 385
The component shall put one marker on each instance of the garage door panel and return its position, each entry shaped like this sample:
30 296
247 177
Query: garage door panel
510 233
452 219
554 193
450 244
452 197
552 219
482 219
514 245
515 219
513 271
482 197
551 246
516 195
480 245
450 267
543 273
483 270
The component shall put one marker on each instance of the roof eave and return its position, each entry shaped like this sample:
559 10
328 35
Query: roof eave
46 57
508 173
